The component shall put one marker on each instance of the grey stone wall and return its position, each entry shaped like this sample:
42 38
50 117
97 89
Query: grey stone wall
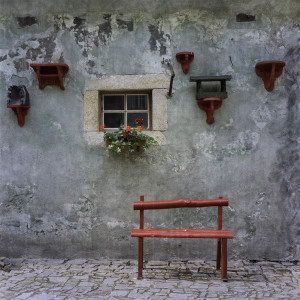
61 197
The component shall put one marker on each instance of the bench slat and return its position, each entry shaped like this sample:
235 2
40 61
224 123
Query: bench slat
178 203
182 233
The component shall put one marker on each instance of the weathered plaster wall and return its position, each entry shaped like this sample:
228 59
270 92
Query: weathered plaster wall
60 197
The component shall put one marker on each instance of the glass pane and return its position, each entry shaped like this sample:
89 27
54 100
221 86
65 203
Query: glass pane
137 102
113 102
113 120
131 117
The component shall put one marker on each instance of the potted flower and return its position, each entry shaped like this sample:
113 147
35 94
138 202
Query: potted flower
128 139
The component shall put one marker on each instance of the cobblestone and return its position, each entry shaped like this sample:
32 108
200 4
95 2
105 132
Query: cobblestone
116 279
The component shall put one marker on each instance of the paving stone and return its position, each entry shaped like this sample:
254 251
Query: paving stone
119 293
199 286
110 281
93 279
24 296
58 279
218 289
76 261
180 296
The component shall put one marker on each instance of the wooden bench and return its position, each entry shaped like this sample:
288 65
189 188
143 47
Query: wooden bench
219 234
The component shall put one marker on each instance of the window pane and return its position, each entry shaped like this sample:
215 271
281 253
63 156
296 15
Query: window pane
113 102
113 120
131 117
137 102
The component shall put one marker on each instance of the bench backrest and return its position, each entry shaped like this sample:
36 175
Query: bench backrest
141 205
178 203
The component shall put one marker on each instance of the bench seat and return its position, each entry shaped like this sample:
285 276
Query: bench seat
182 233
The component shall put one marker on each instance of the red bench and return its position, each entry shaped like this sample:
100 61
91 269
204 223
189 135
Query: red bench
219 234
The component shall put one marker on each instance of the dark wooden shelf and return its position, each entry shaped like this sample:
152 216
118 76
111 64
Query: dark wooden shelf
210 78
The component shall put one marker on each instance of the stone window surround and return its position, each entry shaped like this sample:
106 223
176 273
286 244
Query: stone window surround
157 83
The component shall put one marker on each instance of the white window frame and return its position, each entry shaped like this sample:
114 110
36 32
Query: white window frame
125 110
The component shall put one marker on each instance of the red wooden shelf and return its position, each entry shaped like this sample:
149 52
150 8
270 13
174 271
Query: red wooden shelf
50 74
185 58
269 70
209 105
20 111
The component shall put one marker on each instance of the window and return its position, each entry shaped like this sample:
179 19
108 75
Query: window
154 87
124 108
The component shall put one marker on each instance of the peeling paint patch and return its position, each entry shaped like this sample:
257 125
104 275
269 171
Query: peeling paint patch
18 197
26 21
157 37
21 65
91 63
84 37
57 126
115 223
125 22
105 29
251 228
261 116
78 29
33 53
13 54
49 45
245 18
245 143
2 58
79 22
62 22
61 59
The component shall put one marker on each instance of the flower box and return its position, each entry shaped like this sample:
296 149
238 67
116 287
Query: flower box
128 139
127 148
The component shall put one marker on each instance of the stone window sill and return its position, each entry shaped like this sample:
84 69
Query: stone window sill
96 138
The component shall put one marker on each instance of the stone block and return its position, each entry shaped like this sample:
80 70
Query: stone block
91 111
159 109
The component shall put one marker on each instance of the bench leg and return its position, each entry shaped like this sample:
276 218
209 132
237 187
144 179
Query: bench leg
224 260
140 258
218 263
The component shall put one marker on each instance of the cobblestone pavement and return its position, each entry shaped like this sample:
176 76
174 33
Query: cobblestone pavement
116 279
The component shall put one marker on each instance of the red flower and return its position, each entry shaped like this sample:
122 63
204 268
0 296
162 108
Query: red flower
139 121
101 127
140 128
126 131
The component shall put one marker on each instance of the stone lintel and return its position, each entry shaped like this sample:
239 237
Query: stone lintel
129 82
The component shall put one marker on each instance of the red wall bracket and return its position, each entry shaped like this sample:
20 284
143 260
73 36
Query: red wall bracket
209 105
185 58
269 71
50 74
20 111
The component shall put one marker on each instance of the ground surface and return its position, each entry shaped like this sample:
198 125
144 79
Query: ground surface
116 279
